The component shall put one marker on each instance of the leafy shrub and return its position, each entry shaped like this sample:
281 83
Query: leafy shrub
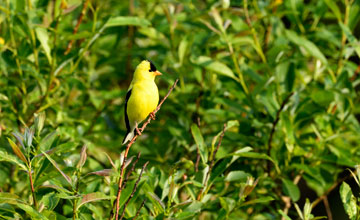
282 76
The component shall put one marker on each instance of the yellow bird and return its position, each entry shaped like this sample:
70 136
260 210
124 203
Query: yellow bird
142 97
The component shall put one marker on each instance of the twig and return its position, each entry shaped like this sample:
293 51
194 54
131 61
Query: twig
327 207
69 46
131 170
134 190
321 198
138 211
212 161
197 160
131 143
32 188
273 128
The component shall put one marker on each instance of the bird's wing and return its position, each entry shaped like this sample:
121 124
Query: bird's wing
126 115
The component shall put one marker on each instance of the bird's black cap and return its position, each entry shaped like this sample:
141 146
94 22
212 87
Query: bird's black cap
152 66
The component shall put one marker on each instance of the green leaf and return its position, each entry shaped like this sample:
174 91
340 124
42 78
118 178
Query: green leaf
351 38
67 178
322 97
215 66
4 156
348 200
334 8
290 77
199 140
93 197
17 151
227 203
50 200
127 20
3 97
259 200
31 211
182 49
238 176
285 216
83 157
39 122
308 45
43 37
9 198
46 143
291 190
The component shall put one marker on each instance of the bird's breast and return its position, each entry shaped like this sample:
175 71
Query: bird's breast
143 100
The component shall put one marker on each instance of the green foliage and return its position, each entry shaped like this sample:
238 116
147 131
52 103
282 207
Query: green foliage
282 76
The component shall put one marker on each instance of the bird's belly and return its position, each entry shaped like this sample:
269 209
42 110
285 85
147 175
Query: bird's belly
141 104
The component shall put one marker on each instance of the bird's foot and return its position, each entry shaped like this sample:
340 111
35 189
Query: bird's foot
138 130
152 115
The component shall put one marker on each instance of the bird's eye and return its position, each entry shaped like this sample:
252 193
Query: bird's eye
152 67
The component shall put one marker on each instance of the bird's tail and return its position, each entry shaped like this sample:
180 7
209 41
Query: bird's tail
128 137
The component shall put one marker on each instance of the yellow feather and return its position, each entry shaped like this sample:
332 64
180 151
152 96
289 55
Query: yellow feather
144 96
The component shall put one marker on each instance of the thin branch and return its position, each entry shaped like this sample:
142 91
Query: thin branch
327 207
134 190
131 170
128 148
197 160
83 11
321 198
286 100
138 211
32 188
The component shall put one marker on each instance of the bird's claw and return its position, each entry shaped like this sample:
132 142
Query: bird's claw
152 115
138 130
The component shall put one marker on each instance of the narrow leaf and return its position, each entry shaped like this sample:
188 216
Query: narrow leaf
43 37
127 20
291 190
4 156
46 143
308 45
17 151
58 168
83 157
104 172
348 200
182 49
215 66
199 140
334 8
92 197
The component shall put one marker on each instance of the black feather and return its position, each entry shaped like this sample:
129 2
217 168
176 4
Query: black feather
126 116
152 66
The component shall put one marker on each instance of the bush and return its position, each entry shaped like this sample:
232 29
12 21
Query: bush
263 124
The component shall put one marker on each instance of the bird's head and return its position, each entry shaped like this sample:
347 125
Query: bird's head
146 70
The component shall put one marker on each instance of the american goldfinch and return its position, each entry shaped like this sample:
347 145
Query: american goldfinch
142 97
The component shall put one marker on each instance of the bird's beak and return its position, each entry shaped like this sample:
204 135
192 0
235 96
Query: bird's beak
157 73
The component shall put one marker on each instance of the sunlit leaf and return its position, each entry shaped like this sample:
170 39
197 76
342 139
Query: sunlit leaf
67 178
43 37
348 200
307 44
17 151
127 20
199 140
